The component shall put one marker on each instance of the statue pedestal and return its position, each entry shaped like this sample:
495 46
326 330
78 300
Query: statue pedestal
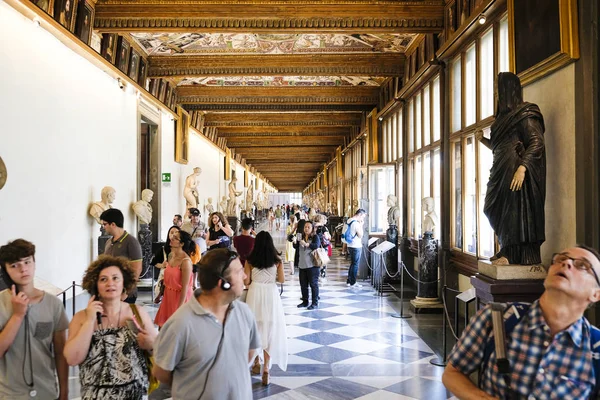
233 222
391 257
102 239
145 239
427 289
511 272
495 290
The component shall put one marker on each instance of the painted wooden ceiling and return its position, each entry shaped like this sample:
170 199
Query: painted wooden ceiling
284 82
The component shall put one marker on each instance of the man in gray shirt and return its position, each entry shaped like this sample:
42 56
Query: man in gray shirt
204 350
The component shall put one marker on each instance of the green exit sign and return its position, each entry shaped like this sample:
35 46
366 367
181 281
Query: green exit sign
166 177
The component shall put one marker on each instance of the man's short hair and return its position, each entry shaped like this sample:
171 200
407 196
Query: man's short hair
590 249
360 211
247 224
113 215
178 217
213 266
11 253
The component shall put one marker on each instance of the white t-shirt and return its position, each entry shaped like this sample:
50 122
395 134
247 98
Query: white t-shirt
354 226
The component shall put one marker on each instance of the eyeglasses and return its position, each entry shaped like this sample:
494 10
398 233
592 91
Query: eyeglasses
580 263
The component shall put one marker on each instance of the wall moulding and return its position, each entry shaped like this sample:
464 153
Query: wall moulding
277 107
372 100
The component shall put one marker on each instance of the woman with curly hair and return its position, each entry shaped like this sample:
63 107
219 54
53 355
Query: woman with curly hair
219 231
109 352
263 269
178 276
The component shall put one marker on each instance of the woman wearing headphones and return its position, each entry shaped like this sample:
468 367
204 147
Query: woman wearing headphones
263 269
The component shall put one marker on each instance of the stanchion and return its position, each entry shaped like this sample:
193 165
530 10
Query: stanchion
441 362
401 314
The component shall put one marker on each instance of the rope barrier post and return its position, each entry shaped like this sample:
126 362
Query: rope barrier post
379 289
401 314
73 299
441 362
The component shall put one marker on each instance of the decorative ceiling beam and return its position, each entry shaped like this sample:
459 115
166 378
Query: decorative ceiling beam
286 143
277 107
294 16
286 95
293 150
259 131
181 66
270 119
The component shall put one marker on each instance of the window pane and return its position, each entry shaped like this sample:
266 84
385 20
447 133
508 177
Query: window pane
470 86
457 195
436 110
470 197
411 180
411 127
394 134
385 140
418 121
486 234
426 117
399 131
456 95
418 197
486 71
426 175
503 65
437 185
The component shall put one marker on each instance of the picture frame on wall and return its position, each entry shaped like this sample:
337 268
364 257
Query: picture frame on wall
143 73
173 103
451 19
85 20
169 93
162 89
134 65
154 85
109 47
64 13
544 36
182 132
46 6
123 48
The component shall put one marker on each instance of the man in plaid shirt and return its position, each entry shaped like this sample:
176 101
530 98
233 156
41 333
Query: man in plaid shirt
550 348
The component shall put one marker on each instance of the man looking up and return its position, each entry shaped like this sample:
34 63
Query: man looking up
33 331
549 350
204 350
122 244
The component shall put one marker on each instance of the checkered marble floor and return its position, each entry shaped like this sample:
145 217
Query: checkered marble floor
351 347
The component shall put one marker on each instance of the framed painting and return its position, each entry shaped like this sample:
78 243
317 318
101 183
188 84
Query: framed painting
143 73
162 89
64 13
154 83
46 6
123 48
134 65
173 103
109 47
169 93
85 19
451 19
543 35
182 136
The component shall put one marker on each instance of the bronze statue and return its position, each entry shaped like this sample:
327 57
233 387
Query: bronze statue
516 191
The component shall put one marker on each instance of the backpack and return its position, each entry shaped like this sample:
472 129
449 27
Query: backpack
511 321
347 234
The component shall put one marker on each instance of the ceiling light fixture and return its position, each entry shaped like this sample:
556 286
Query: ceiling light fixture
482 19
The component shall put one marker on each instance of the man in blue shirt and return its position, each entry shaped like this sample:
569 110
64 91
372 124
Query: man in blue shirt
550 349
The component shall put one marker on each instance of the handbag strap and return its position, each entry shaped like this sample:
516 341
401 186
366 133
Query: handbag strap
137 315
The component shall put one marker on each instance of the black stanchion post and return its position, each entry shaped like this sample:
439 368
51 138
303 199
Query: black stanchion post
401 314
441 362
73 299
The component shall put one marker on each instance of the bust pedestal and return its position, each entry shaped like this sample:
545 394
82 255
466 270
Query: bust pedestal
145 239
102 239
427 289
233 222
391 257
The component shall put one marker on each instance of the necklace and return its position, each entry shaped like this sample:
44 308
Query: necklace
111 325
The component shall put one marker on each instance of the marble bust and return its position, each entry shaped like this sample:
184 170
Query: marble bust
209 207
142 208
430 219
108 197
393 211
190 191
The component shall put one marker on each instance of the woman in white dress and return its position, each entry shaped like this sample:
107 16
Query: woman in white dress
264 268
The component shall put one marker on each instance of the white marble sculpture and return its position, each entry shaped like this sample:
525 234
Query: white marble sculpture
223 204
190 191
233 194
430 219
209 207
393 211
250 196
97 208
142 208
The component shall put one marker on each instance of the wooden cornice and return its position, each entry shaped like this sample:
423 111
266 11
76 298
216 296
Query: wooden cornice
393 16
296 149
276 107
268 94
229 132
375 64
282 119
335 142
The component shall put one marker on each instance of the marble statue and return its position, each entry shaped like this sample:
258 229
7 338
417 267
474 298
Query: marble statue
142 208
233 194
430 220
348 211
223 204
190 191
108 197
250 195
333 199
209 207
393 215
516 190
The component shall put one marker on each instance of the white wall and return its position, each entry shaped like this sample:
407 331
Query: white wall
66 130
555 95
